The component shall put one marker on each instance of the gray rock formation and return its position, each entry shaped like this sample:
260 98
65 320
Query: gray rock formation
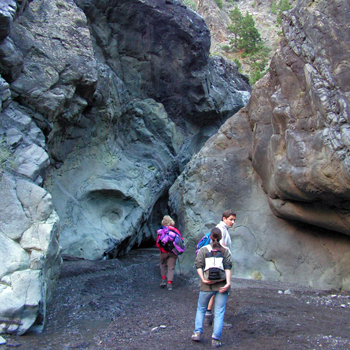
308 178
94 82
29 251
160 50
102 105
286 154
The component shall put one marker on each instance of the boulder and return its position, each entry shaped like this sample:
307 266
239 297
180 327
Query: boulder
31 161
160 50
300 147
14 220
59 68
30 255
13 256
281 162
7 13
19 310
10 60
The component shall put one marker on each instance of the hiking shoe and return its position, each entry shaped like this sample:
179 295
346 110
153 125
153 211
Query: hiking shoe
227 325
169 286
163 283
215 343
196 336
208 320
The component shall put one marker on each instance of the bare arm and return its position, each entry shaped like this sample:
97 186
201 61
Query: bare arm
201 275
228 282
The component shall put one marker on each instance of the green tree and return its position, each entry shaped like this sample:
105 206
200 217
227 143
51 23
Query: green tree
191 4
238 63
235 27
249 35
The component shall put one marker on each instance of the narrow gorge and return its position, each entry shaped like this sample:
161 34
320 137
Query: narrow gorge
114 113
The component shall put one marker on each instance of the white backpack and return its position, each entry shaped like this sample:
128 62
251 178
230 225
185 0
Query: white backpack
214 267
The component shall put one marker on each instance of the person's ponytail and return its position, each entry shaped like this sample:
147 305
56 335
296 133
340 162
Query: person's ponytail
215 236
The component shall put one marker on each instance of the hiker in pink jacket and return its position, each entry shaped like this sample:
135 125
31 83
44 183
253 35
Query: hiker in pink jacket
167 258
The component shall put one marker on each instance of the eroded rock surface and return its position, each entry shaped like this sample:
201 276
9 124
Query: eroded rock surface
304 160
285 153
102 105
30 256
125 93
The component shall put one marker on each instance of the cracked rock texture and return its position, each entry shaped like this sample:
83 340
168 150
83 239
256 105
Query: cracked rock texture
127 108
30 256
102 105
282 162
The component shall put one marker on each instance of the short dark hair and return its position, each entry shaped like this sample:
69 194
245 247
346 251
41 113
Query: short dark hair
227 213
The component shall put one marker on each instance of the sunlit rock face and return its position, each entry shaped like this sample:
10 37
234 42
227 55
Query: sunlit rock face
282 161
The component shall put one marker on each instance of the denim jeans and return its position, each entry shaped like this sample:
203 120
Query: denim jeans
219 312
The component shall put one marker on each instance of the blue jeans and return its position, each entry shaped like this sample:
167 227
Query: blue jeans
219 312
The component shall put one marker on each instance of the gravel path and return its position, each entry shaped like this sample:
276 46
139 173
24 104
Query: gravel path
118 304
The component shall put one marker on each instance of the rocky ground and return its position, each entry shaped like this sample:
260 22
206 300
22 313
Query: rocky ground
118 304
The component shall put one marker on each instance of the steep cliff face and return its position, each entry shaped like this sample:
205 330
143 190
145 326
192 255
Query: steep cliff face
292 139
160 50
308 176
89 73
103 103
30 256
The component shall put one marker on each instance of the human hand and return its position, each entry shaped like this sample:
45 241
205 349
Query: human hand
224 288
207 281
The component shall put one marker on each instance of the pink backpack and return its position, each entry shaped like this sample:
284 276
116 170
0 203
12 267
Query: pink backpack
170 240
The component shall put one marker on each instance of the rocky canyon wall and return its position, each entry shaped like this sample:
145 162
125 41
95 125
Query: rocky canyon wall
282 161
127 93
30 256
103 104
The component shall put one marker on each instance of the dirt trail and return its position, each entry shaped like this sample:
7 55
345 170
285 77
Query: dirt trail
118 304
